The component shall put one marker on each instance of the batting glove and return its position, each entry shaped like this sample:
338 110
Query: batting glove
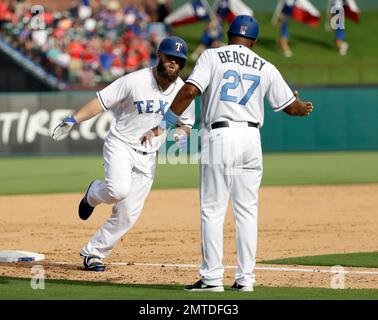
62 129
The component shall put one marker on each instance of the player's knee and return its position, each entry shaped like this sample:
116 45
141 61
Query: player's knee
118 193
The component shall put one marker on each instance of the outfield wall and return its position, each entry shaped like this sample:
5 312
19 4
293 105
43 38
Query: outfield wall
343 119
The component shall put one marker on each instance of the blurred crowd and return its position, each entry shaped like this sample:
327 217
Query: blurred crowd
90 43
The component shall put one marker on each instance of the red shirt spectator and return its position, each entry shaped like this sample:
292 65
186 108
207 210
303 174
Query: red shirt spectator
5 13
143 50
132 61
76 49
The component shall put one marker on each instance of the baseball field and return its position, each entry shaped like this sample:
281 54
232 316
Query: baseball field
317 210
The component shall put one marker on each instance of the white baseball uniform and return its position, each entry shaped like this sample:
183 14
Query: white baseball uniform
138 104
233 81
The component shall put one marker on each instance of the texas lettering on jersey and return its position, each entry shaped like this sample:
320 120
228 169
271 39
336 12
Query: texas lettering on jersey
151 106
138 105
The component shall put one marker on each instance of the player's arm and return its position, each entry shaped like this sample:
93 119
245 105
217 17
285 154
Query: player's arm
88 111
298 107
106 99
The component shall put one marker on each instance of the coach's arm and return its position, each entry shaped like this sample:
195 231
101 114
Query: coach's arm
184 98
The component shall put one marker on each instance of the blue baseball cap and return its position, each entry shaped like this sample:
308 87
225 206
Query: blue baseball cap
173 46
244 26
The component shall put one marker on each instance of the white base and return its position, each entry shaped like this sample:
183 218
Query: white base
20 256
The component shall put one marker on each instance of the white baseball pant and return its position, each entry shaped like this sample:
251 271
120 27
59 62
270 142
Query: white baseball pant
231 164
128 180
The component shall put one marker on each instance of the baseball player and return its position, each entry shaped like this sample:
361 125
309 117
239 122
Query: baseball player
232 81
139 101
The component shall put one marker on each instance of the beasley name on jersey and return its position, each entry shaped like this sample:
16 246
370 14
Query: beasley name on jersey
241 58
233 81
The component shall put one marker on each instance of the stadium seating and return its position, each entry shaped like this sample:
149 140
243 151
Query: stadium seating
84 45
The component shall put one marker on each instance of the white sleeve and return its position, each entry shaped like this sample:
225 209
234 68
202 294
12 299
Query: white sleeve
201 73
279 93
189 116
114 93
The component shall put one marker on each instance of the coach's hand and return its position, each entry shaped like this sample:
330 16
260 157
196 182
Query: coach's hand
298 107
150 135
62 129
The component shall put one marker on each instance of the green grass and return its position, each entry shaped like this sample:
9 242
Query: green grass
316 59
11 288
34 175
320 168
360 259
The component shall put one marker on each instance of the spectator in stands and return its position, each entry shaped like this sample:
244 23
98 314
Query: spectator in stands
340 38
84 11
87 75
118 66
90 42
75 49
74 9
211 37
164 8
284 36
39 37
5 12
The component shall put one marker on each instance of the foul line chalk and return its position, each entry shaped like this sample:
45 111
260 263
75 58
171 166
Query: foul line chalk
292 269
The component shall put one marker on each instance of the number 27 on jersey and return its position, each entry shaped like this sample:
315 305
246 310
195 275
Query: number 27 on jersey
233 84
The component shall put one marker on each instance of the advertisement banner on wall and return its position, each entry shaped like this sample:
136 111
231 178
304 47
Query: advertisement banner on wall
27 121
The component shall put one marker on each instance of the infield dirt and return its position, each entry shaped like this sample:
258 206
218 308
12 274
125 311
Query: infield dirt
293 221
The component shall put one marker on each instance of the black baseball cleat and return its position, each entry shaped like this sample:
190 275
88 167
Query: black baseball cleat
200 286
239 287
85 209
93 263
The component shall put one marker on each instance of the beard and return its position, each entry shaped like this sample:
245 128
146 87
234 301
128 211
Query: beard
167 74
